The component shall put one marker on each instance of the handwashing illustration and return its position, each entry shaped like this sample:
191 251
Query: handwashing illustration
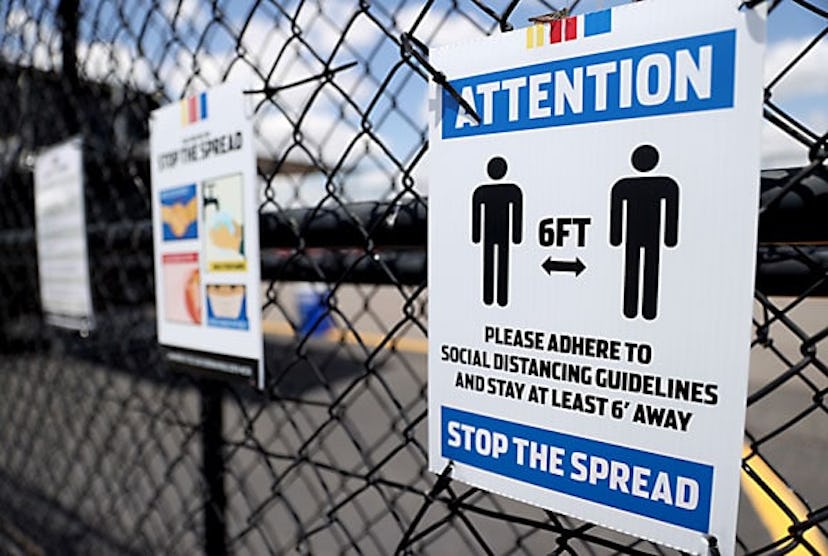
222 201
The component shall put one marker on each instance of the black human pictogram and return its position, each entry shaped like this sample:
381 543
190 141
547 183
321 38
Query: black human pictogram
497 218
643 196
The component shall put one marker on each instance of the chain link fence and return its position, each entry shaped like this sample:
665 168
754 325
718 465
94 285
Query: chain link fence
106 451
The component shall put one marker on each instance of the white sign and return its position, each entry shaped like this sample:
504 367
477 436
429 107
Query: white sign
591 263
206 235
60 220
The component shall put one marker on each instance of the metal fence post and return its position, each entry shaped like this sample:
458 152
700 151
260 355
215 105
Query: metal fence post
212 445
68 19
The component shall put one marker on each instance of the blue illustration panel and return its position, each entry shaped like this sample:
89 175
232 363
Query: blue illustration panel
227 306
179 213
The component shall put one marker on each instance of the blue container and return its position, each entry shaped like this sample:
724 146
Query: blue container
312 309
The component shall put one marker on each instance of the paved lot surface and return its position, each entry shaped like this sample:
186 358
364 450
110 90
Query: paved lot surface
296 471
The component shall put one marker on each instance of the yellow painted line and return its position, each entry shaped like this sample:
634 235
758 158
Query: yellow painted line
372 340
530 37
774 519
277 328
368 339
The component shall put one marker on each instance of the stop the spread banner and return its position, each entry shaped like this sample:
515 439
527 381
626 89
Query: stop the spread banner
592 225
206 233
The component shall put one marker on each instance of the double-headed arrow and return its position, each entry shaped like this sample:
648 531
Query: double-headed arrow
551 266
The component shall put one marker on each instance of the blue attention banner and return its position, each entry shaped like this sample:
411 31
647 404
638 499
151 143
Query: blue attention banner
664 488
691 74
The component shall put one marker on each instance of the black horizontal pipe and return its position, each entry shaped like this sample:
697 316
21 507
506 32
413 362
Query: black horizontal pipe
780 270
384 243
792 270
398 266
800 214
356 225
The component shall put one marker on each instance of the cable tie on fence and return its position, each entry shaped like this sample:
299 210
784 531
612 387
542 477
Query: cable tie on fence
408 42
505 26
818 152
327 74
502 19
808 347
750 4
712 545
763 337
391 217
550 17
442 483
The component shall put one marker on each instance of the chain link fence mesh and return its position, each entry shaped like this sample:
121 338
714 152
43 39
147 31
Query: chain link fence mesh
105 451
